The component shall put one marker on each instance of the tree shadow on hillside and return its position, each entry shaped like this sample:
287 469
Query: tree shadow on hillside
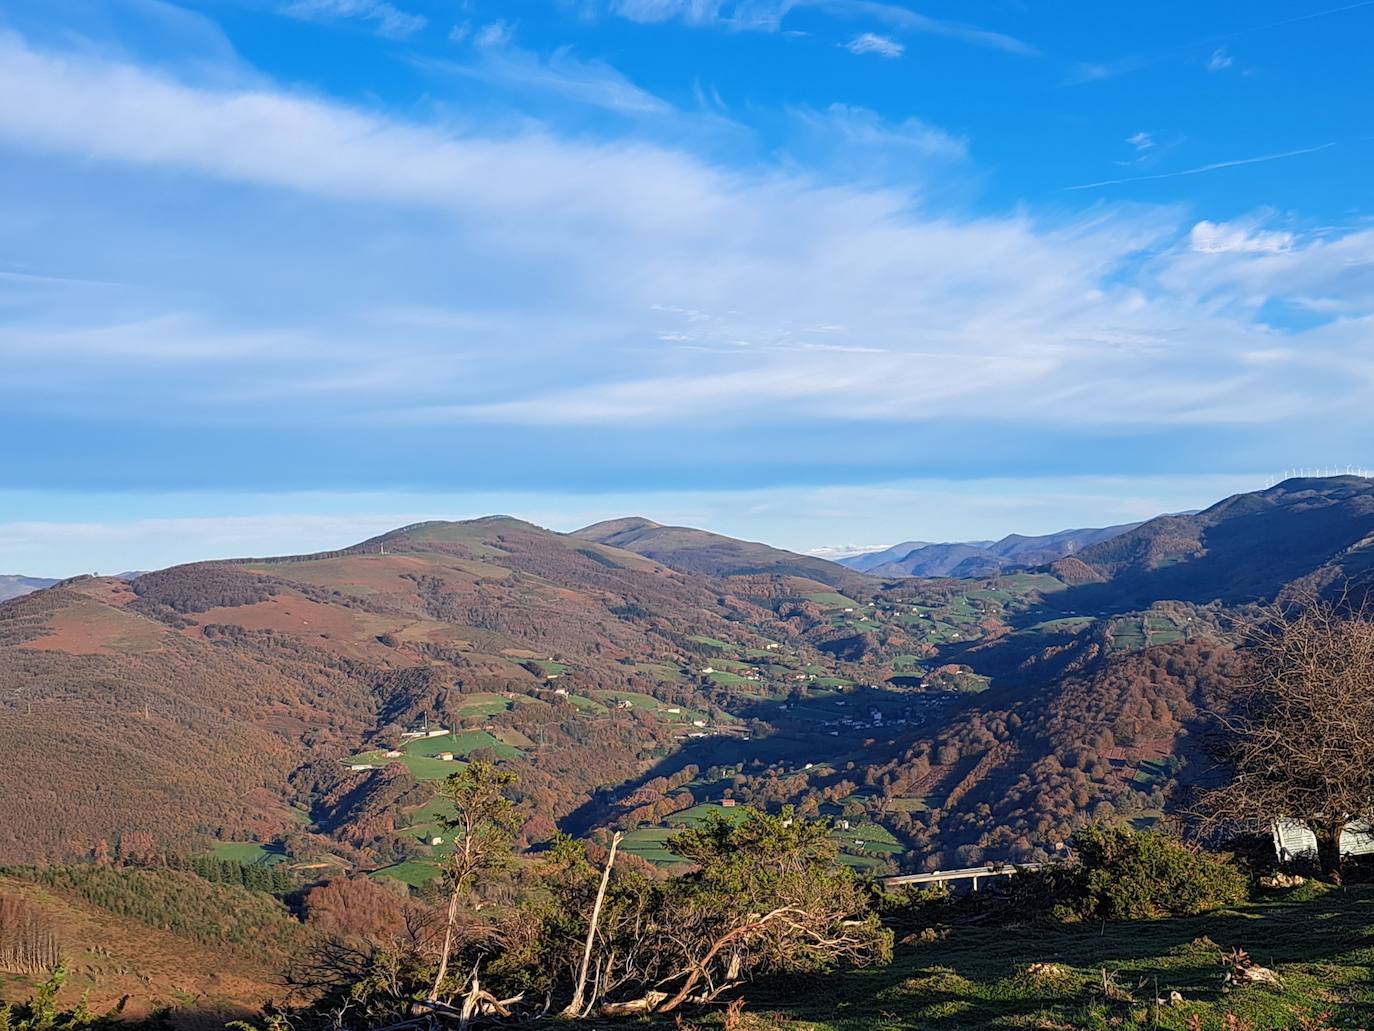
1247 558
795 740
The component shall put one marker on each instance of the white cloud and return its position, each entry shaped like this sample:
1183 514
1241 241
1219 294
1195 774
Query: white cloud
859 146
909 21
768 15
1219 61
1230 238
670 290
735 14
563 73
872 43
494 34
1141 141
385 18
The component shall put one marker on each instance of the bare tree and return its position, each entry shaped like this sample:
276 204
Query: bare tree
767 895
483 825
27 942
1300 727
574 1008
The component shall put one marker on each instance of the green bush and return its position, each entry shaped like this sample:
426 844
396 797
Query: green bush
1121 874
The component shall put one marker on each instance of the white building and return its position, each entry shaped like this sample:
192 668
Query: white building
1293 840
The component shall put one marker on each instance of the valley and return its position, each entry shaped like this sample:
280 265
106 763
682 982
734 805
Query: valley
307 704
289 720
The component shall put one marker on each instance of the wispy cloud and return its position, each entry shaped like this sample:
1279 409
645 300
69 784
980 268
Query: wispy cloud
675 297
764 15
494 34
1215 166
904 18
872 43
385 19
1220 60
768 16
1141 141
563 73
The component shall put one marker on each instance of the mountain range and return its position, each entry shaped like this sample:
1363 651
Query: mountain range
969 559
629 672
12 586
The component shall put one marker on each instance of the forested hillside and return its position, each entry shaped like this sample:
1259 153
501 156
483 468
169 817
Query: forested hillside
306 705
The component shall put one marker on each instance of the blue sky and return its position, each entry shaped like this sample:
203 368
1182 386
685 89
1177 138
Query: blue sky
275 274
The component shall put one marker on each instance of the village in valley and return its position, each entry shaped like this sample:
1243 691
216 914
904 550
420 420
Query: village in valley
751 720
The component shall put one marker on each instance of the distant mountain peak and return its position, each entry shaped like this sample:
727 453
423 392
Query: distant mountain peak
15 586
964 559
608 527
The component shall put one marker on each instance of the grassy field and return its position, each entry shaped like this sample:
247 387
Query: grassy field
461 744
1052 977
249 853
422 767
833 600
415 872
548 667
650 843
482 704
587 705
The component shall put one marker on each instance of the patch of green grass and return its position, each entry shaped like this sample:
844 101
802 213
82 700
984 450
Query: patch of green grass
833 600
660 671
650 844
484 704
692 817
861 863
1038 976
463 743
415 872
908 805
422 767
710 642
249 853
1062 625
1023 583
725 678
548 667
587 705
427 816
636 700
874 838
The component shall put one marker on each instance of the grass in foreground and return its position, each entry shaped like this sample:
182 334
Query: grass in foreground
1052 978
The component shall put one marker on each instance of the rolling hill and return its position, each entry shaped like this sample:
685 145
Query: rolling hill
223 699
629 672
1245 548
699 551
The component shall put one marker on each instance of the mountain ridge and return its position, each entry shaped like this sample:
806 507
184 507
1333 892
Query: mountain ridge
232 699
14 585
701 551
969 559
